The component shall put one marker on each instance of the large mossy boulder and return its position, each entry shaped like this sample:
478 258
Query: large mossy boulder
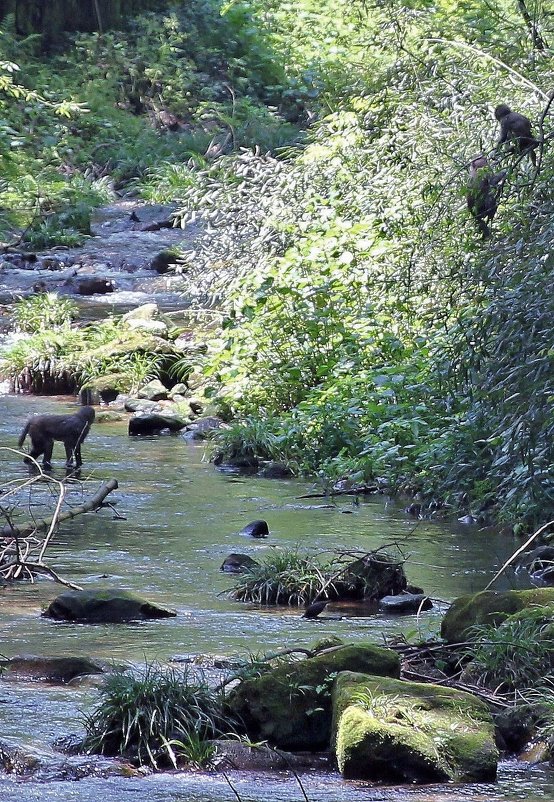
104 607
392 731
290 706
490 608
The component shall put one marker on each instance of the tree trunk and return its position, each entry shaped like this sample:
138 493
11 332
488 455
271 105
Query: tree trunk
52 17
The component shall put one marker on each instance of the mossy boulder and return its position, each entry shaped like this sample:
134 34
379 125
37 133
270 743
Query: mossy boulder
153 391
104 606
290 706
489 607
392 731
103 388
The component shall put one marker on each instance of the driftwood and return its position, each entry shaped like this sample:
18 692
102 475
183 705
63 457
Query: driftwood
18 554
361 490
30 527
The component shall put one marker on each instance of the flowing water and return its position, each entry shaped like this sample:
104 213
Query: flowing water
181 519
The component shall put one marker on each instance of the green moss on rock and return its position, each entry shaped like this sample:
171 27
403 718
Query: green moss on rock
290 706
489 607
104 606
393 731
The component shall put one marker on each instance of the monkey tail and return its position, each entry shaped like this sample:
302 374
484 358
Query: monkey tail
23 434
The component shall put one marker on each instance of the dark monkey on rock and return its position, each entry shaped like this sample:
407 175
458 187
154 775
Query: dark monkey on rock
69 429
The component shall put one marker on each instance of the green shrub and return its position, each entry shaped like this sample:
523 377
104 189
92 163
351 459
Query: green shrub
154 717
515 655
43 311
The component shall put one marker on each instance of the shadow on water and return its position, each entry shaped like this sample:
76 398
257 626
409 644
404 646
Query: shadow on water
181 519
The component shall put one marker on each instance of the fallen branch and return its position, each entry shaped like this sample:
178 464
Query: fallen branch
30 527
362 490
519 551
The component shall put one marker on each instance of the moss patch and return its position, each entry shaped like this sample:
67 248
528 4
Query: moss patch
392 731
489 607
290 706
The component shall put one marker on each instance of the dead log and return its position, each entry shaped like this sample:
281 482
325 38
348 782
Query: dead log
30 527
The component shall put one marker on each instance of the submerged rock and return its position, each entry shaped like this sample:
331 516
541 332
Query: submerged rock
255 529
49 669
389 730
261 757
489 607
237 564
276 470
104 606
201 427
154 423
290 706
405 603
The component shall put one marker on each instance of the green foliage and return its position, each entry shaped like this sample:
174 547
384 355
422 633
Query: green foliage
59 357
293 577
369 331
45 311
286 577
154 717
517 654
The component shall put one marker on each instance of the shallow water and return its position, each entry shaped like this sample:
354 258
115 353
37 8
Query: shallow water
181 520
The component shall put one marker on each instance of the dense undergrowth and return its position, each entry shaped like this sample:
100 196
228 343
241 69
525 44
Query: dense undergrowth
368 329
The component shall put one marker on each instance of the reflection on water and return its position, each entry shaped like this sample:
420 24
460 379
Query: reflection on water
182 518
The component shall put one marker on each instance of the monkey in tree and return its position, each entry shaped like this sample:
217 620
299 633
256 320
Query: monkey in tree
516 128
482 193
69 429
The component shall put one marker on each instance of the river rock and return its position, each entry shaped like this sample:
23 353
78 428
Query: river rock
201 427
154 423
237 564
290 706
405 603
141 405
153 391
276 470
196 405
195 380
109 416
94 286
163 261
179 389
261 757
255 529
143 312
390 730
102 389
156 327
49 669
489 607
104 606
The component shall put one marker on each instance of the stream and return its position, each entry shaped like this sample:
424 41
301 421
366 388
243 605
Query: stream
177 519
181 519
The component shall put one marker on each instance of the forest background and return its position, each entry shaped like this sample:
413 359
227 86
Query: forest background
363 328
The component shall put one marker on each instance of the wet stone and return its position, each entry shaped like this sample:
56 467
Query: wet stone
104 606
49 669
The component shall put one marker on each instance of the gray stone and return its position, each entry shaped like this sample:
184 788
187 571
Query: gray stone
154 423
405 603
104 606
237 564
178 389
201 427
49 669
153 391
141 405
